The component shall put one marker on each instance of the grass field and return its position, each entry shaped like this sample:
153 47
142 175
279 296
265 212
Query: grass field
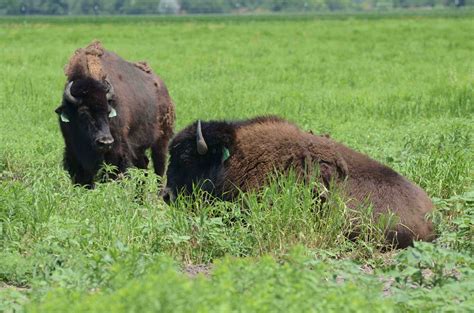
400 89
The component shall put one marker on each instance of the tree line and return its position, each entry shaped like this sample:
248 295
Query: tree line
116 7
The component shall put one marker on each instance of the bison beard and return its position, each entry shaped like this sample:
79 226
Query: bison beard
224 158
112 111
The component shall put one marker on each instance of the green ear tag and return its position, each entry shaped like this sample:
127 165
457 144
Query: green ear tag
112 113
64 118
225 154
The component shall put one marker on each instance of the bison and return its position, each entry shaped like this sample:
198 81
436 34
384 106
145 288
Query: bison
224 158
112 111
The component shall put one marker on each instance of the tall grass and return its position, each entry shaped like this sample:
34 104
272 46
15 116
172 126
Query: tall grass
398 89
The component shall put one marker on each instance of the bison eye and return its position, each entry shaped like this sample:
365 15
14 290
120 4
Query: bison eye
64 118
112 112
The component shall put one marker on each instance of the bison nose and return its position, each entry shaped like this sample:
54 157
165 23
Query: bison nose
168 195
104 142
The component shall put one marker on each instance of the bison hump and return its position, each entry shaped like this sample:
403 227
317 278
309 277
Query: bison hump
86 62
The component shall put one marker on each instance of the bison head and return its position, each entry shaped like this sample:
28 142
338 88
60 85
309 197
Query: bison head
197 157
85 112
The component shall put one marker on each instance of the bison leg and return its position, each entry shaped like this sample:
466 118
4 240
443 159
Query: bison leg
400 238
84 180
158 155
141 161
121 158
79 175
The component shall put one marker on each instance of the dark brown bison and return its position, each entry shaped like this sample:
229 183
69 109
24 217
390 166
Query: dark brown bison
111 112
225 157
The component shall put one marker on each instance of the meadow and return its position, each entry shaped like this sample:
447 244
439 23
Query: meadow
399 88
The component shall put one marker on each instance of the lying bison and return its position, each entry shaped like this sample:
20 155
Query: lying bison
111 112
225 157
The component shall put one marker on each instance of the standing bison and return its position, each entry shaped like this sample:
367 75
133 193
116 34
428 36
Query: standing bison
225 157
111 112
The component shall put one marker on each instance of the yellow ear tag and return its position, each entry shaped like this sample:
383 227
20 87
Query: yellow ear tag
225 154
64 118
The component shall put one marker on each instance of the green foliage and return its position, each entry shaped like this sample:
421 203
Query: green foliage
398 89
428 265
428 277
133 7
12 299
286 212
300 284
442 165
455 220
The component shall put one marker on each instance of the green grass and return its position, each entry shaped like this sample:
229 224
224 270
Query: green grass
399 88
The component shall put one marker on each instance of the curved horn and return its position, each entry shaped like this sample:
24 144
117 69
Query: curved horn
201 143
110 89
67 94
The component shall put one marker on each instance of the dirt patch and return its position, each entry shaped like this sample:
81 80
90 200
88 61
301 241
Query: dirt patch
193 270
7 286
7 175
369 270
387 285
387 281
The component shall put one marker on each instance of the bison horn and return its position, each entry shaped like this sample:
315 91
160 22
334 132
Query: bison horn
110 89
67 94
201 143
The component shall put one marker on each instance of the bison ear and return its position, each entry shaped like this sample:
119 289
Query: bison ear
330 172
109 88
327 173
59 109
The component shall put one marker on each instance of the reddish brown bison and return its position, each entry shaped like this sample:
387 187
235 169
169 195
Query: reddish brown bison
225 157
111 112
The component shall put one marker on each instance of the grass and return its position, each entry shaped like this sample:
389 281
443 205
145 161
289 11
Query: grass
398 88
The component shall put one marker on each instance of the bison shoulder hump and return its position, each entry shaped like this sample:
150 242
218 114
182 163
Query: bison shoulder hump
86 62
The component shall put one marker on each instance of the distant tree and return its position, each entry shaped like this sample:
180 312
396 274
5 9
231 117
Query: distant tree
204 6
251 4
55 7
142 7
168 7
316 5
26 7
91 6
277 5
74 7
335 5
8 6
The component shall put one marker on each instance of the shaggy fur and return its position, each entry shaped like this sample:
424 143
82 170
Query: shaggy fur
259 146
145 114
